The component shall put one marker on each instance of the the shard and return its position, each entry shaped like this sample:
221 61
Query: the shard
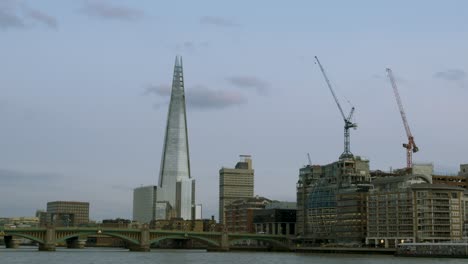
176 188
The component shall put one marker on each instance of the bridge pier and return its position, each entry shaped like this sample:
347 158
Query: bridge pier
76 242
49 240
12 242
144 245
224 246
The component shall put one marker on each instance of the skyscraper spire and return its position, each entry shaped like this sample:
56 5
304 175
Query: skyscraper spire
175 183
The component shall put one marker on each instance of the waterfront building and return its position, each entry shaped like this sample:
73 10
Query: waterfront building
144 203
409 208
239 214
22 221
235 183
277 218
318 189
66 213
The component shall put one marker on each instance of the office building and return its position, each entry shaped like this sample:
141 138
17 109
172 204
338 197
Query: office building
67 213
235 184
176 185
175 194
144 203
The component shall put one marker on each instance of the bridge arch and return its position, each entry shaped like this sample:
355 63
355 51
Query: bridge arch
30 237
203 240
111 234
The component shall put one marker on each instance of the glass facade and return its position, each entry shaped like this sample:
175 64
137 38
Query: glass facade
175 163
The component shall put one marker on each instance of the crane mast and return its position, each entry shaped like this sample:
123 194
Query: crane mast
411 145
347 120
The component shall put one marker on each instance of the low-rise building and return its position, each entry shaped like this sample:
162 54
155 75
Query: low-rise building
239 214
278 218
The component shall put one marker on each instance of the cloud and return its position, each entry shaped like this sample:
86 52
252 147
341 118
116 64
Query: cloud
200 97
204 98
16 14
218 21
43 18
249 82
105 10
10 20
451 75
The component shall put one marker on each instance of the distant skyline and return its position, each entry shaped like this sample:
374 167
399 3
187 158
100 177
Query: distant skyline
84 88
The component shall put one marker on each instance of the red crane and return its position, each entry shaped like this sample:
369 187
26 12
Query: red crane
411 145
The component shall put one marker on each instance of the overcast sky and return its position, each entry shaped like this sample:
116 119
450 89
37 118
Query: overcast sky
84 92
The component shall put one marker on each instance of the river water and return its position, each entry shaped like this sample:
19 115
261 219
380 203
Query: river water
117 256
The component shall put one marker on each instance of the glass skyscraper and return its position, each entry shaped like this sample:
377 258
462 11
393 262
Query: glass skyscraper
176 185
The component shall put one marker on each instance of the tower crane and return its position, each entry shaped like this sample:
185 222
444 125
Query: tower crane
347 120
411 145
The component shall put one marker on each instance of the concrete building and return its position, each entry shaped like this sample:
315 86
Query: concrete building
235 183
239 214
67 213
278 218
317 190
410 209
144 203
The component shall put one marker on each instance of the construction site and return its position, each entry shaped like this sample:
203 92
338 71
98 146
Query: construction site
344 203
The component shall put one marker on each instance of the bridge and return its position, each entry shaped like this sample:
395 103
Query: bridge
137 239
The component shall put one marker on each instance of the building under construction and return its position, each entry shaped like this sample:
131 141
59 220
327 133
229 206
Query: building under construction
330 204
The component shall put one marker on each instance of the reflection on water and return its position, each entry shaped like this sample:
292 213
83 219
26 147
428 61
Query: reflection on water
116 256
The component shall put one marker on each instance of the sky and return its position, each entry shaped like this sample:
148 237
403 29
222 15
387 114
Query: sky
84 92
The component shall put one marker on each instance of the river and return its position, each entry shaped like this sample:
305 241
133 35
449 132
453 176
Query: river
116 256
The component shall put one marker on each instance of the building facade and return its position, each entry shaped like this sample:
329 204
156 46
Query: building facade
410 209
176 185
278 218
175 194
318 190
67 213
239 214
144 203
235 183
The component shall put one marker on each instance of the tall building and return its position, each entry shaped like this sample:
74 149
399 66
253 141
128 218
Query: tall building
235 184
67 213
144 203
176 186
